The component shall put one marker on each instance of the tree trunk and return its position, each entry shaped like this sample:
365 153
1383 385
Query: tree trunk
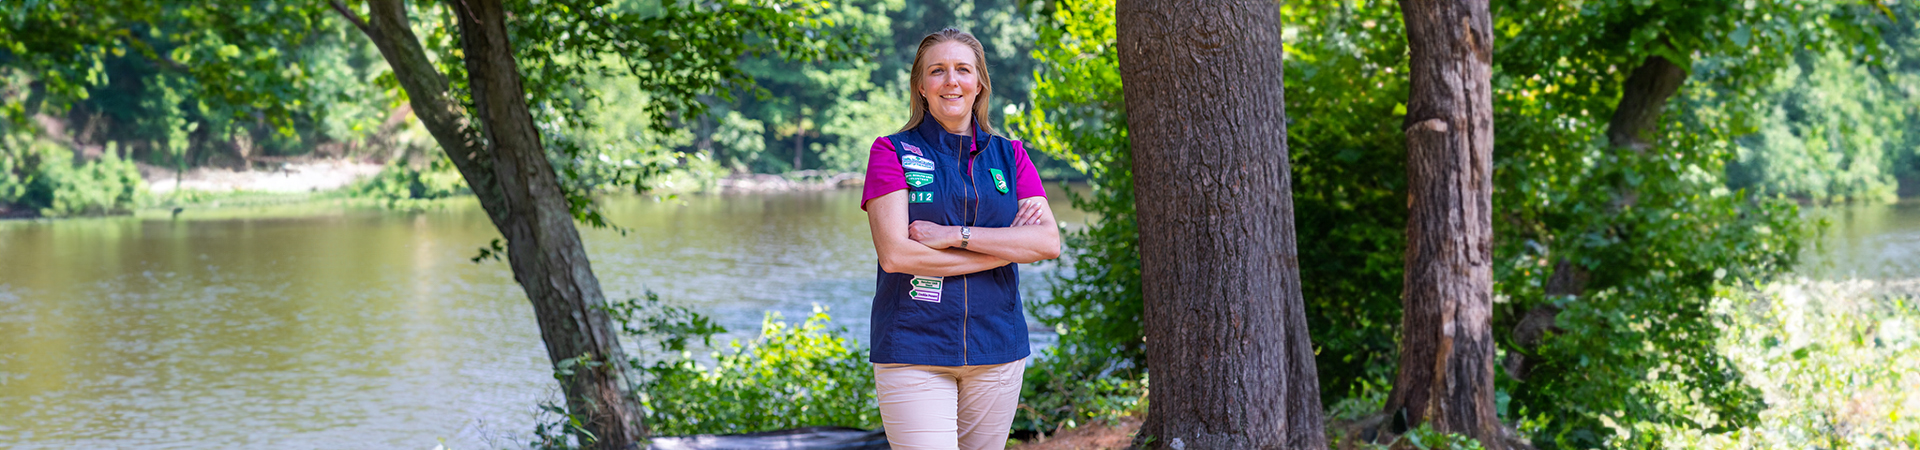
508 171
1643 99
1446 347
799 136
1225 324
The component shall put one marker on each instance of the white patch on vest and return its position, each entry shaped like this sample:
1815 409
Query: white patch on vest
926 289
912 149
916 163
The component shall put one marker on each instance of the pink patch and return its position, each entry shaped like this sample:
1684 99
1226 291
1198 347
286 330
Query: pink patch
912 149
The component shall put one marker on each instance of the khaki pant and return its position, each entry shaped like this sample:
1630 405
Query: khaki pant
948 407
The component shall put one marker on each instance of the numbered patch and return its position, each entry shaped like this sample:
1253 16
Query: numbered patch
919 197
916 163
999 180
926 289
918 179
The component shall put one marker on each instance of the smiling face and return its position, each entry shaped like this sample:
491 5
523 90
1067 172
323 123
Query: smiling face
950 81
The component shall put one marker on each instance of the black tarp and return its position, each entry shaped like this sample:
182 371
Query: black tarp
809 438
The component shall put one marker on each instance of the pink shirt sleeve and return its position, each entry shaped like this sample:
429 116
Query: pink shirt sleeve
1027 180
884 174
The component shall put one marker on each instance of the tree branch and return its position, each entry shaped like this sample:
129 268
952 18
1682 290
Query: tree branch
347 12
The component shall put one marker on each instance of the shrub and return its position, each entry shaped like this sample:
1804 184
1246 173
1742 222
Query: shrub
1836 363
789 376
41 176
403 186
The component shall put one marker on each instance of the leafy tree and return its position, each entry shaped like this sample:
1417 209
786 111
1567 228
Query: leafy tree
1836 125
185 85
1641 328
824 115
1609 250
486 110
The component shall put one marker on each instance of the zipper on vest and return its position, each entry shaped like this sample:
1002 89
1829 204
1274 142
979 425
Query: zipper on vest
966 288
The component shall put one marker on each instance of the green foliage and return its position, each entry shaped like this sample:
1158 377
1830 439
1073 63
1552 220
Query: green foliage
554 428
402 186
1834 361
821 115
790 376
825 115
1426 438
1097 369
1834 125
1346 95
1657 231
1655 264
41 176
617 148
1070 385
190 84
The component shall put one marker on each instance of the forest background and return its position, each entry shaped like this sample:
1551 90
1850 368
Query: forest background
1786 104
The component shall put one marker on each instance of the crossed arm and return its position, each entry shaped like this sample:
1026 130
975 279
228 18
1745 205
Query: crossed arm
925 248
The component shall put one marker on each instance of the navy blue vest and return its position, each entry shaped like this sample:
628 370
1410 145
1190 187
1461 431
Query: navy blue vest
972 319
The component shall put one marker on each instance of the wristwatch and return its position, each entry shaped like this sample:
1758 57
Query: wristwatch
965 234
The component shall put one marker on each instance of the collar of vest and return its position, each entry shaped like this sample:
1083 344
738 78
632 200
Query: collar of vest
933 134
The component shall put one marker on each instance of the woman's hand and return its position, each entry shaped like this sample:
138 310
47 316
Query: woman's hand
1029 211
934 236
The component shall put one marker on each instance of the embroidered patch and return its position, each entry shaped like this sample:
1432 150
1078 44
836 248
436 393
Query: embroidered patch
999 180
916 163
918 179
919 197
912 149
926 289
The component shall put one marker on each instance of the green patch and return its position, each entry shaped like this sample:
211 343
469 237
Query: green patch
919 197
999 180
918 179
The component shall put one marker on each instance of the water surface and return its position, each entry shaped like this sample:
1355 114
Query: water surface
324 326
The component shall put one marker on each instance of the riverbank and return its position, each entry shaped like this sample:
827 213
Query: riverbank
324 175
291 177
321 181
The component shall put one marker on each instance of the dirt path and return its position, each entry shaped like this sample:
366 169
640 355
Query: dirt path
1093 436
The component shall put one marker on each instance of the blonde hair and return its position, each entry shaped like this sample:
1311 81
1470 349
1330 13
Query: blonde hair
918 103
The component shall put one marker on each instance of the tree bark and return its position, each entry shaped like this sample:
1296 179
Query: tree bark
1225 323
799 137
1643 100
1446 347
507 169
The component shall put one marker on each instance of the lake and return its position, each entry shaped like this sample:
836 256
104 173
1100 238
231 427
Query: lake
325 326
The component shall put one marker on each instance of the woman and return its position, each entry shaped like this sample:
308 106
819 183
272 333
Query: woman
953 208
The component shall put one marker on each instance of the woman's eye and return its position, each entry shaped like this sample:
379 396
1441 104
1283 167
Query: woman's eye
938 71
964 70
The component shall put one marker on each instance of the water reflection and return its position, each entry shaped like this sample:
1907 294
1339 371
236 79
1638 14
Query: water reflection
321 326
1877 242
